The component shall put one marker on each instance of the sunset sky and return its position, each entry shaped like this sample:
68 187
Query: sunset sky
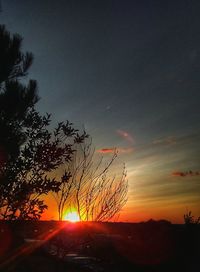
129 72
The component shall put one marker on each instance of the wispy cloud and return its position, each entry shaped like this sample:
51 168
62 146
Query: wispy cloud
165 141
186 174
125 135
125 150
178 139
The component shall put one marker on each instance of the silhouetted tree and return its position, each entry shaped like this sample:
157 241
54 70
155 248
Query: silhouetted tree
29 149
87 187
16 98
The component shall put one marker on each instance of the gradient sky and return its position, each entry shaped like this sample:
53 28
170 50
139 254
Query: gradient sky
129 72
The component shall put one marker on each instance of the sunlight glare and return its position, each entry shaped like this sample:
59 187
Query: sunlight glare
72 217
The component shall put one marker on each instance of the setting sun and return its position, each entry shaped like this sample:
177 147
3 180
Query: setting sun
72 216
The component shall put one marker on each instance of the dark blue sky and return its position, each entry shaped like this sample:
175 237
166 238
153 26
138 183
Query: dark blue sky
129 72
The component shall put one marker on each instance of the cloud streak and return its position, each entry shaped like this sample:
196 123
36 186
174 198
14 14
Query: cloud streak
186 174
114 149
107 150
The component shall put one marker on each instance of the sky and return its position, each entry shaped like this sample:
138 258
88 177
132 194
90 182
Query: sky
128 71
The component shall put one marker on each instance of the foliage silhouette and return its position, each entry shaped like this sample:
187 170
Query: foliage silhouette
16 98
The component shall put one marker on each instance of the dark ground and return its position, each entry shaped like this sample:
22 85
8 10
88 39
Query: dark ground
60 246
